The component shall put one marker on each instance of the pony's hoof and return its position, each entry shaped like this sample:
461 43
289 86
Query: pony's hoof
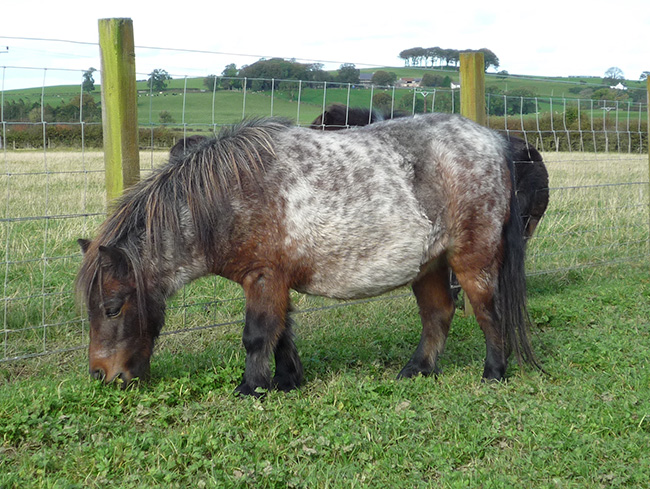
246 390
412 371
494 374
286 383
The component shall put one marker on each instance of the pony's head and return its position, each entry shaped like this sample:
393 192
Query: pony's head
123 320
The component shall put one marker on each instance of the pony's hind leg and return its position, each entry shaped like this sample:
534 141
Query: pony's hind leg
433 294
288 367
480 286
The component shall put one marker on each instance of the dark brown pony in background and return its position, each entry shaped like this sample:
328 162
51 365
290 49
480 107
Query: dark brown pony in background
344 214
531 183
339 116
185 144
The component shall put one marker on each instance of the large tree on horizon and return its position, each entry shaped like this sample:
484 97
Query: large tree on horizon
613 76
158 80
348 73
88 84
490 58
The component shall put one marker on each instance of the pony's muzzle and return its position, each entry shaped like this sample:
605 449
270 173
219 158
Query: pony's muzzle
97 374
108 372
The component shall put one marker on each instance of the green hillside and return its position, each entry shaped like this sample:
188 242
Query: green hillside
186 105
231 104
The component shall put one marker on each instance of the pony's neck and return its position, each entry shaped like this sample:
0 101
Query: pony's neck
173 275
172 249
172 267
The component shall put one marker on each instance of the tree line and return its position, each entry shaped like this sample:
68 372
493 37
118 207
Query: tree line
260 75
78 108
437 56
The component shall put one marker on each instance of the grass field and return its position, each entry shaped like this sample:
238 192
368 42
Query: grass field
584 424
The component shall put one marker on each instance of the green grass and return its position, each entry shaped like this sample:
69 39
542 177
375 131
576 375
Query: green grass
596 213
585 424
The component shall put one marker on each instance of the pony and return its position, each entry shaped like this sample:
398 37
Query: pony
344 214
531 175
339 116
531 183
185 144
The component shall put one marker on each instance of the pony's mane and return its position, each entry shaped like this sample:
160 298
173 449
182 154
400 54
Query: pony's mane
150 213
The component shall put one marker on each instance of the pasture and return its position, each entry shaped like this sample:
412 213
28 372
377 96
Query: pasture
584 424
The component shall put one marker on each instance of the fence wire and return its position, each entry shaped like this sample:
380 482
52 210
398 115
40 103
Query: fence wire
596 153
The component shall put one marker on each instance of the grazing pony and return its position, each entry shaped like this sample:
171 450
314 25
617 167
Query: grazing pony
531 176
344 214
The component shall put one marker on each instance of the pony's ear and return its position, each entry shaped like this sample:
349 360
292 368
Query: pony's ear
84 244
115 259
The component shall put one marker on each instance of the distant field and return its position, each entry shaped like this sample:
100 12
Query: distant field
198 106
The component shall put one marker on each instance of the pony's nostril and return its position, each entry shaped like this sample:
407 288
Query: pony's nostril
123 380
98 374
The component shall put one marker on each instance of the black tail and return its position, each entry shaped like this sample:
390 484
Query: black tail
510 299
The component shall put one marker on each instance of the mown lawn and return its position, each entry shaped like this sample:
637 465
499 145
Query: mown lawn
584 424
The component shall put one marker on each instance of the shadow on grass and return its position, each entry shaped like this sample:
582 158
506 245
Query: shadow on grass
375 339
356 342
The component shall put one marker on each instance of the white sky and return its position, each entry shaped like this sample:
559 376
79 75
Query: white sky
530 38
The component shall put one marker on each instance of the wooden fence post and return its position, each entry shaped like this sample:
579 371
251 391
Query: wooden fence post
472 102
119 106
472 86
648 106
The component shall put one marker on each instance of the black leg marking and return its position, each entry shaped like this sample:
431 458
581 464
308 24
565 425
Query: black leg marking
260 334
288 367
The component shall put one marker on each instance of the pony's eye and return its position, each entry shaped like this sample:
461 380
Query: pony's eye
113 312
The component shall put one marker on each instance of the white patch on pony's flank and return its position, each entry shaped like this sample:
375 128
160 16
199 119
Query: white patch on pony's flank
436 243
354 214
352 199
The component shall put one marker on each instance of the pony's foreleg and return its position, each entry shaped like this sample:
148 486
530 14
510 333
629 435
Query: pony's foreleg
288 367
265 331
434 298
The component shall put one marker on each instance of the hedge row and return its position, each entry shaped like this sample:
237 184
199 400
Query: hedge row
557 133
568 131
34 136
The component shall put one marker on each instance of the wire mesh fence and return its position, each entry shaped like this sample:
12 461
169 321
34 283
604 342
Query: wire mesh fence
596 153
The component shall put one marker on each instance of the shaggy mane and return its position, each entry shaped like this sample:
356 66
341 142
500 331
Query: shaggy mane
199 181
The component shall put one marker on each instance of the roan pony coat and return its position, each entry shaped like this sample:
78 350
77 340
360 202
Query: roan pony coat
343 214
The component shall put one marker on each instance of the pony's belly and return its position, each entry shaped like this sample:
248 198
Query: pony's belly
369 266
351 216
369 284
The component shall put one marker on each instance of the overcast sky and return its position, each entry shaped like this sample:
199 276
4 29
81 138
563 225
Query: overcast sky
547 38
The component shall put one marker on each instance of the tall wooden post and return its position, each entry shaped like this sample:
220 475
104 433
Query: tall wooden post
119 105
472 101
648 104
472 86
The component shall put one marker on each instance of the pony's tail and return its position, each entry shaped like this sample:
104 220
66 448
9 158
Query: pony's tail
510 299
